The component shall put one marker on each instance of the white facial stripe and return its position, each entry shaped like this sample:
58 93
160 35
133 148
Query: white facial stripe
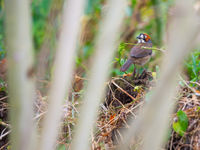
142 36
141 41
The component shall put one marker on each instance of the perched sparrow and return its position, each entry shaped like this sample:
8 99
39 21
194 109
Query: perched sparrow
139 55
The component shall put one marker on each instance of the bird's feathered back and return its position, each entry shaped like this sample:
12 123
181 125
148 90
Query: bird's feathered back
139 51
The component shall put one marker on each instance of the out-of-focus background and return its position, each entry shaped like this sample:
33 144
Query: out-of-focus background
141 16
148 16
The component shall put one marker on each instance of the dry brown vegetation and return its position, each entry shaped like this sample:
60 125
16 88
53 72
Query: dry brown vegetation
124 99
125 95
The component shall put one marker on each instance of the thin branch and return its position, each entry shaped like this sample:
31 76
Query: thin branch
3 98
5 134
152 48
5 124
123 91
192 89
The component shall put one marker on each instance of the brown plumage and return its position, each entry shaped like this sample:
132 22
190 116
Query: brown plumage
139 55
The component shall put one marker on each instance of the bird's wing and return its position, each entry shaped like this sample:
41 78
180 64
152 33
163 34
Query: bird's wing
138 51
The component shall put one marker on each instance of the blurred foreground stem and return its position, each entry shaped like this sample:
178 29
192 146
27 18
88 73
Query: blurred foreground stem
20 80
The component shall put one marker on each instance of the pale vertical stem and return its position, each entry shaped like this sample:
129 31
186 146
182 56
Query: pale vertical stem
105 46
153 123
20 80
62 75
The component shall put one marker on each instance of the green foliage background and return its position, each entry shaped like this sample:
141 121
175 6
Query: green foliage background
152 20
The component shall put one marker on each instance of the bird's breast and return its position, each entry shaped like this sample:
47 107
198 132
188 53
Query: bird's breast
141 61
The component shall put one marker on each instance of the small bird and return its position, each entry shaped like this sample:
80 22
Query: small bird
139 54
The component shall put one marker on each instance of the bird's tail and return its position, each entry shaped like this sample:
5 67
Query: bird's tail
126 65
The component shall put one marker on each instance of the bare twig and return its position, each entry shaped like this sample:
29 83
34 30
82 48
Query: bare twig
5 134
193 90
3 147
5 124
153 48
123 90
3 98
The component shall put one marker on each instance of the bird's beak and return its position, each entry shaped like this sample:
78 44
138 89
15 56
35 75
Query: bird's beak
138 37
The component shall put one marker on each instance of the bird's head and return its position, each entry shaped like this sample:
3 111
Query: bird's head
144 38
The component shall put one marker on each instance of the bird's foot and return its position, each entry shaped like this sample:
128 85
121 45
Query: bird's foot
143 75
137 76
134 74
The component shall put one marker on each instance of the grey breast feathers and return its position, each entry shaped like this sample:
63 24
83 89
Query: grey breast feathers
139 51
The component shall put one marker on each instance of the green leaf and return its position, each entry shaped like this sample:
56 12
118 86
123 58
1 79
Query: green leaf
115 72
78 60
117 59
177 128
193 66
121 48
61 147
93 6
134 2
198 108
182 124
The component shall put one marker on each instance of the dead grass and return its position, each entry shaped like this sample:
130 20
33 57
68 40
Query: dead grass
124 99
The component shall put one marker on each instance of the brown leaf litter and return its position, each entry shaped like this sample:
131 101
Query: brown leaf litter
124 99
